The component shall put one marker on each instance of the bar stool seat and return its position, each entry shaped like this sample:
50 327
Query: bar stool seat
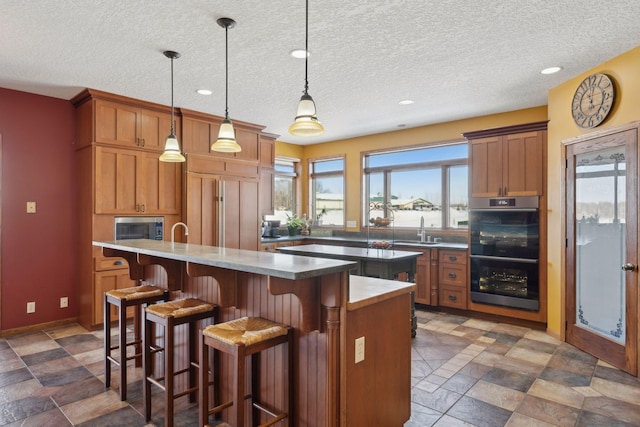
169 315
246 336
136 296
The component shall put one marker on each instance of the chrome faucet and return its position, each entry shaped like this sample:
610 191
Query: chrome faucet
186 229
421 230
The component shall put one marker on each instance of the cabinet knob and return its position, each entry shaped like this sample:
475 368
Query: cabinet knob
452 275
452 297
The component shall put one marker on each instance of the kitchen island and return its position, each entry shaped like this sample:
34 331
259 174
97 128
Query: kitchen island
317 297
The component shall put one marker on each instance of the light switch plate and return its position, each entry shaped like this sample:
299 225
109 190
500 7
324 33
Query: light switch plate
352 224
31 207
359 349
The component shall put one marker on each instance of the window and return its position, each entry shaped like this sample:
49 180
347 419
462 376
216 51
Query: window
327 191
428 182
284 189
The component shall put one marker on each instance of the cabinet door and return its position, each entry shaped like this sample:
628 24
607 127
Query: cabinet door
116 181
523 164
116 124
250 143
423 275
201 209
240 215
485 177
107 281
198 135
266 191
155 126
160 185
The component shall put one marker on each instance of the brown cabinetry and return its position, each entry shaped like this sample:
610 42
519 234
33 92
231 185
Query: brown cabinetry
452 278
426 277
222 211
507 161
135 182
130 126
110 274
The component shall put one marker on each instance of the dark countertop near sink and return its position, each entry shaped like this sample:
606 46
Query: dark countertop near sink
363 241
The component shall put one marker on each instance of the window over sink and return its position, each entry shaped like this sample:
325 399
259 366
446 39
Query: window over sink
429 182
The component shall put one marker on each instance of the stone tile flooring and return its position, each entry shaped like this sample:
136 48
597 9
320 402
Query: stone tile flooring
465 372
469 372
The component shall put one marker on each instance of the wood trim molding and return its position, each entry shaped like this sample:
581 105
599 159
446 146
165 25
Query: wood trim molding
506 130
601 132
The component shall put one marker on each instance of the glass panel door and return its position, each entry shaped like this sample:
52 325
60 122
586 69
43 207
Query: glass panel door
600 188
601 247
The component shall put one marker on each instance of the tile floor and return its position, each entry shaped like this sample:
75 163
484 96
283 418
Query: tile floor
465 372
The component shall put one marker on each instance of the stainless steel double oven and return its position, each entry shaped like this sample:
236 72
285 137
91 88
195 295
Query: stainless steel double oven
504 251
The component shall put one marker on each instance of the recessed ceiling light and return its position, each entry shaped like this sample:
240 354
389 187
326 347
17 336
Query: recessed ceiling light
551 70
204 91
299 53
405 102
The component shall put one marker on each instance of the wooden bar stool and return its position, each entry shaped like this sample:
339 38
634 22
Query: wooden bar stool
169 315
246 336
137 297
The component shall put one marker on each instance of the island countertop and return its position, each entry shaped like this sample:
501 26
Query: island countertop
349 253
270 264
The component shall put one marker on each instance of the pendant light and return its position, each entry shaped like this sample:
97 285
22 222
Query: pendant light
171 145
306 122
226 142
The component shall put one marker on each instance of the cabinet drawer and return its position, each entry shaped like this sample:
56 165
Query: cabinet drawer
453 257
452 296
453 274
104 263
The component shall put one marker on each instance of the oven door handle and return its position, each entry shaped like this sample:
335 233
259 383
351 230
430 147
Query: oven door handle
499 209
503 258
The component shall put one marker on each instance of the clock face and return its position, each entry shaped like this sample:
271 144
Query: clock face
593 101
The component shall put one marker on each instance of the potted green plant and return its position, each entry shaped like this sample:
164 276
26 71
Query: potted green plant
294 224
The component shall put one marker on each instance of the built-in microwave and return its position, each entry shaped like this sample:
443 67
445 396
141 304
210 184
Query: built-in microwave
139 227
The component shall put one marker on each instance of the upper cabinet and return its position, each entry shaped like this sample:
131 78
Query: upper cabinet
201 130
129 126
507 161
135 182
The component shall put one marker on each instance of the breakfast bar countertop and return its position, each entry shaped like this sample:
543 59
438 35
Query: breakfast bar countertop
270 264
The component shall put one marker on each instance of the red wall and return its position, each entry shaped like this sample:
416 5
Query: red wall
37 259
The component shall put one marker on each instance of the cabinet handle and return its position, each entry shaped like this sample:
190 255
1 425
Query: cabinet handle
452 297
499 191
505 191
143 142
118 262
138 142
453 258
137 208
452 275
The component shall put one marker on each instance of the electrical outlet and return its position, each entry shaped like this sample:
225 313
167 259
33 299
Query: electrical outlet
31 307
31 207
359 349
64 302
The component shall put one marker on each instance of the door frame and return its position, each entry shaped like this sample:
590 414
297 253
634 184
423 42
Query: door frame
634 126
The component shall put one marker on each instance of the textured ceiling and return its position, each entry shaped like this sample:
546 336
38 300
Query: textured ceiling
454 58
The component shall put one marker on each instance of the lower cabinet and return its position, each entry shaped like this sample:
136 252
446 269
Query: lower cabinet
426 277
452 279
108 280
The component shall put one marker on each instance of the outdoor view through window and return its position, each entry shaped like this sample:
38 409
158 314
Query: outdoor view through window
426 182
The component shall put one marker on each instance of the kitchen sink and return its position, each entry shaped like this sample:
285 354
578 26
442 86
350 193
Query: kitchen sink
415 242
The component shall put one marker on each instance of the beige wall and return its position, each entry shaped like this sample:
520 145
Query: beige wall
624 71
353 148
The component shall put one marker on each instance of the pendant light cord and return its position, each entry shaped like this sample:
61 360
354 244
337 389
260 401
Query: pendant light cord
226 71
172 119
306 48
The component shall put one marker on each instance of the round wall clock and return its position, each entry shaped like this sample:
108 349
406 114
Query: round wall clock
593 101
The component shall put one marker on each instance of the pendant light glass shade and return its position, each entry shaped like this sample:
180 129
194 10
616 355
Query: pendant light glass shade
306 122
172 146
226 142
